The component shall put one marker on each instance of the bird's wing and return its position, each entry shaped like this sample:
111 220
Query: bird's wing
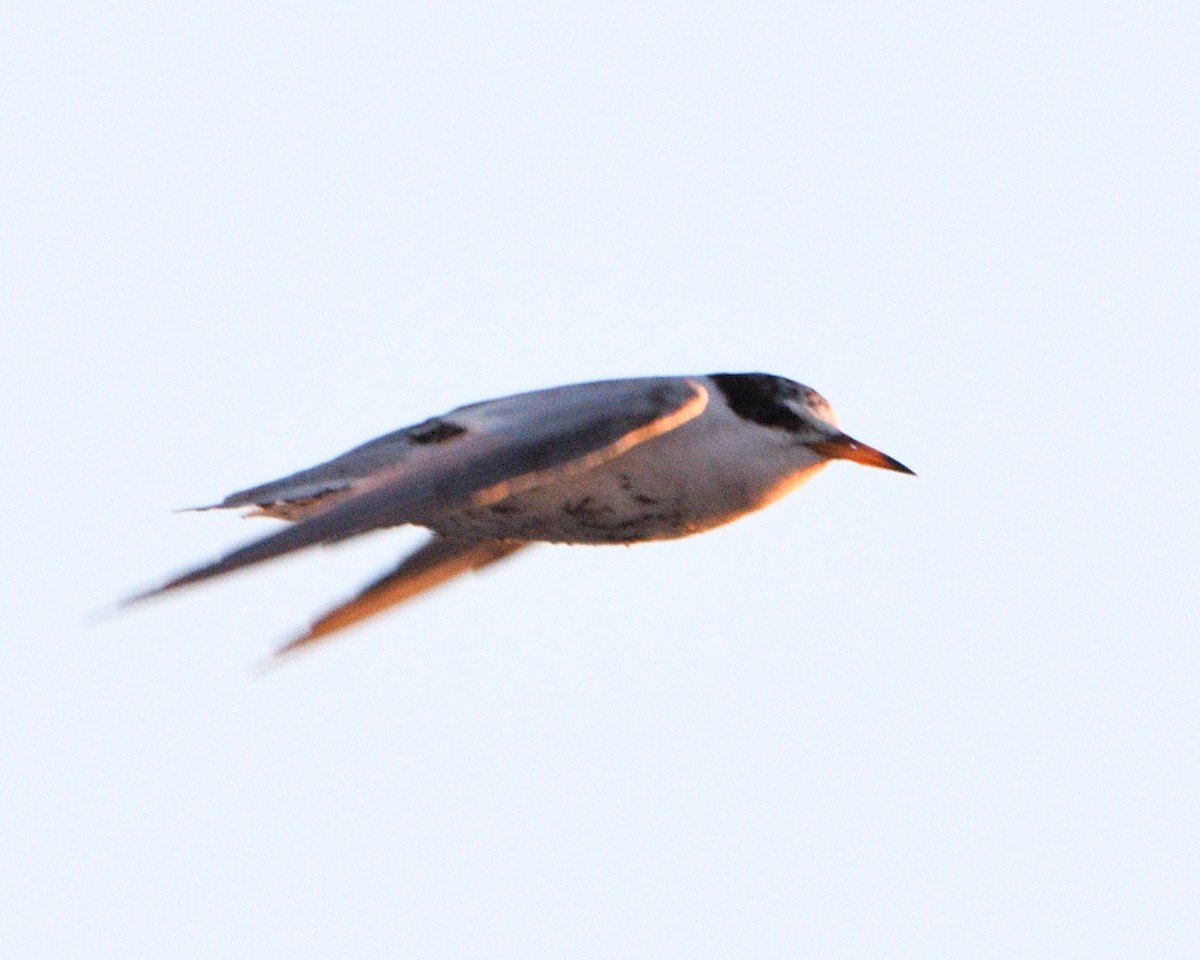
439 559
344 472
507 446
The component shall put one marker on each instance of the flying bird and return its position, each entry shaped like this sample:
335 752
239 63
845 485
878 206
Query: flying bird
614 461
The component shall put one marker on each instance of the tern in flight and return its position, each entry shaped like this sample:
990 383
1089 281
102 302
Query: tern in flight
614 461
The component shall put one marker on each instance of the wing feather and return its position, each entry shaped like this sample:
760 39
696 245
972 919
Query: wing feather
509 446
439 559
347 469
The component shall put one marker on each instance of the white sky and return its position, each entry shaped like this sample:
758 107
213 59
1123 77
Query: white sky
946 717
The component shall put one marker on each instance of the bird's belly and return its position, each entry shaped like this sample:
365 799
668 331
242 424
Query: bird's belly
586 509
627 501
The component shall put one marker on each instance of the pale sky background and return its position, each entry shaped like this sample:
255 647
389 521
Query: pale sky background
953 716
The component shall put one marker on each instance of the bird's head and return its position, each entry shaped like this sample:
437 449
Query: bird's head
801 412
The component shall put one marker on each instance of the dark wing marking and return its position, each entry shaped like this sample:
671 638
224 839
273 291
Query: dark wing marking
436 561
512 445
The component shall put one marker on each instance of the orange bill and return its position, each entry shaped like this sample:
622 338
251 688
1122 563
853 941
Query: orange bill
842 447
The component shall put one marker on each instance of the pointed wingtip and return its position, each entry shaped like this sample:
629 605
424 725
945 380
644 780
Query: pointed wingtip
263 667
110 611
141 596
293 646
281 655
